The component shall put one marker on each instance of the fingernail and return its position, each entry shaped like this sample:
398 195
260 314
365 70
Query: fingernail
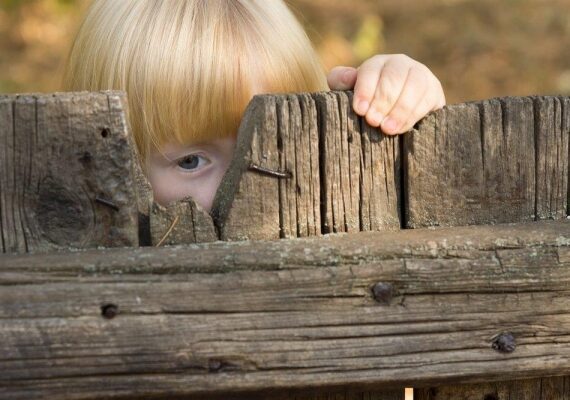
362 107
389 125
375 118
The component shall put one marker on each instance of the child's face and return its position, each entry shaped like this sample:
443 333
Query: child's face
190 171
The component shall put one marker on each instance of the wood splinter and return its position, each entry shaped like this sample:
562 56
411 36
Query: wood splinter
174 222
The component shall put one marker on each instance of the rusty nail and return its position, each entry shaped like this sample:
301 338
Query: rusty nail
382 292
107 203
109 311
504 343
270 172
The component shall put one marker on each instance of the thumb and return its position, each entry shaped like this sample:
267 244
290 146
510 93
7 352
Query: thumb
342 78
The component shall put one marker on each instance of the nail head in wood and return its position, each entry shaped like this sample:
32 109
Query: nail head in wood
504 343
382 292
109 311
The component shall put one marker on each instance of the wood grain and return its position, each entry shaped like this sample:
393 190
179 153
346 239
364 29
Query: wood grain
360 169
298 142
60 154
551 388
494 161
291 314
334 173
181 222
552 116
246 205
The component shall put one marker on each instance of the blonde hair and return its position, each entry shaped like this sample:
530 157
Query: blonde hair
190 67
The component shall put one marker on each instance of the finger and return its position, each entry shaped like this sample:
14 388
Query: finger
414 90
390 84
342 78
422 108
432 99
368 75
441 102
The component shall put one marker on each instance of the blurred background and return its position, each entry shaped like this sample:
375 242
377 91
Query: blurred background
478 48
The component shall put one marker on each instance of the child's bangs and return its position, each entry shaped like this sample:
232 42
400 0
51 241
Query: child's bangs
200 87
191 67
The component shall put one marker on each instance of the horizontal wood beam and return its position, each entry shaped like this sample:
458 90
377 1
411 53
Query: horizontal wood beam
372 309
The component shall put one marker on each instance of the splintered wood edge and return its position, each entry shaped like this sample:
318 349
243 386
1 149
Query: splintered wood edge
222 204
181 222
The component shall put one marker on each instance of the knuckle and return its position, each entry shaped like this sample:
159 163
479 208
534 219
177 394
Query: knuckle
403 57
382 104
378 58
401 114
379 107
389 83
371 120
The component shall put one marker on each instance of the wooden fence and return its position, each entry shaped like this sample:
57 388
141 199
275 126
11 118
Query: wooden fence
472 303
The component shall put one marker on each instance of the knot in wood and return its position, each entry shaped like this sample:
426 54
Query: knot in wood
86 158
504 343
214 365
109 311
382 292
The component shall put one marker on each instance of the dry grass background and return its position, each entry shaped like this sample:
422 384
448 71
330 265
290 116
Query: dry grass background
478 48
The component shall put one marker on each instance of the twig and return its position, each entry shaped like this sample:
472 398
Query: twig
168 231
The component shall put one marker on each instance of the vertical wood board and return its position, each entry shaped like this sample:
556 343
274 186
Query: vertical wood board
548 388
67 178
495 161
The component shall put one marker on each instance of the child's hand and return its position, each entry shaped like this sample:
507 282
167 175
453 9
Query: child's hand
392 91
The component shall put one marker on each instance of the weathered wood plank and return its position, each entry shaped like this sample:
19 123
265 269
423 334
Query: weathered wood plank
467 164
118 115
331 171
346 394
552 116
246 205
299 196
499 160
360 169
289 314
551 388
66 179
181 222
495 161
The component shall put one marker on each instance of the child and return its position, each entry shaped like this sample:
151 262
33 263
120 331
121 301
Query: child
190 67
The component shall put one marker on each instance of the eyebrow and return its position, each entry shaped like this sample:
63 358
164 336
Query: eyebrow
185 150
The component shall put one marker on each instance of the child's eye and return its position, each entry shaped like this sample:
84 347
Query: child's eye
192 162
